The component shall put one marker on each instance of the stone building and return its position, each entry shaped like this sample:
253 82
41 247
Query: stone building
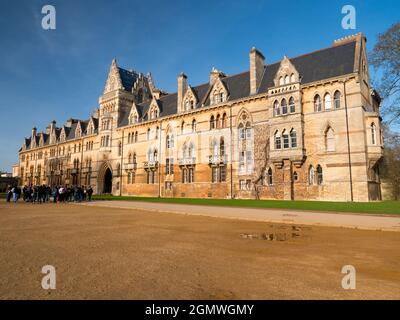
306 127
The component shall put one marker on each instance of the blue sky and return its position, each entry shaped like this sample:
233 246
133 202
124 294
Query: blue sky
58 74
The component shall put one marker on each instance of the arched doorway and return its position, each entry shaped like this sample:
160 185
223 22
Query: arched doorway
107 187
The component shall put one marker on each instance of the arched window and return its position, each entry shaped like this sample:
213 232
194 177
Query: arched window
168 141
222 147
293 138
218 121
281 81
129 138
373 133
212 123
136 136
224 125
194 124
284 106
182 127
286 79
336 98
330 140
327 102
285 138
292 78
278 143
311 175
277 110
129 158
241 130
270 177
191 150
317 103
148 134
157 132
292 106
129 178
319 175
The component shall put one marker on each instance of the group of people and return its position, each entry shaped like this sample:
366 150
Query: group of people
44 193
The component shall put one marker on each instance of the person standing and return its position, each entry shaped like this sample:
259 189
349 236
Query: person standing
9 194
89 193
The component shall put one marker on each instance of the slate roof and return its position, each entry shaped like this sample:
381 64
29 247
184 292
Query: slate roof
128 78
318 65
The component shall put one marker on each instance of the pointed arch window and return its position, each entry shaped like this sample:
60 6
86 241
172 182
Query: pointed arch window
277 138
285 138
330 139
293 138
311 175
317 103
277 110
286 79
270 177
224 124
284 106
373 133
292 78
319 175
212 122
327 101
292 107
337 95
222 147
194 124
281 81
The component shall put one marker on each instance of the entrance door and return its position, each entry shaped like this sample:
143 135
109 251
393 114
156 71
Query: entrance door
107 181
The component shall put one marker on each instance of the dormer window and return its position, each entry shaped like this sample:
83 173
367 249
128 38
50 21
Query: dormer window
133 118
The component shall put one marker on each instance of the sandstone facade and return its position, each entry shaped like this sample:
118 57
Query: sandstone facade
306 127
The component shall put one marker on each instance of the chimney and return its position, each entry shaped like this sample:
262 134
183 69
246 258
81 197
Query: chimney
181 89
256 69
52 126
214 74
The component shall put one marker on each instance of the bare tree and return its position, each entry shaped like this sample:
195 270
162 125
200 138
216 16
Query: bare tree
391 164
385 58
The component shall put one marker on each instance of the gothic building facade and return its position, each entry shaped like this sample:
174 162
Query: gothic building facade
306 127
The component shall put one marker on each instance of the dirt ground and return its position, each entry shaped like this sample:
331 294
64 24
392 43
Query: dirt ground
103 253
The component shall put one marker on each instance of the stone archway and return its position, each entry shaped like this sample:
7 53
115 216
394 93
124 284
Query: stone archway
105 179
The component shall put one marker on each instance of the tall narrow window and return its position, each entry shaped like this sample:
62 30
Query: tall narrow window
293 138
330 140
285 138
292 106
224 124
277 110
327 101
269 177
277 140
212 123
336 97
284 106
311 175
317 103
194 124
373 133
319 175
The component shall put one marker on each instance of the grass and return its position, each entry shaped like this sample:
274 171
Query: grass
383 207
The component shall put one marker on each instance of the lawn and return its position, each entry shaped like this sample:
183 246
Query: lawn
383 207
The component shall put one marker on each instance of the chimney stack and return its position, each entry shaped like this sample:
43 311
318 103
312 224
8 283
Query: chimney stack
256 69
181 89
34 130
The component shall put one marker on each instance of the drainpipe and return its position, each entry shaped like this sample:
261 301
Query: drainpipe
348 142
